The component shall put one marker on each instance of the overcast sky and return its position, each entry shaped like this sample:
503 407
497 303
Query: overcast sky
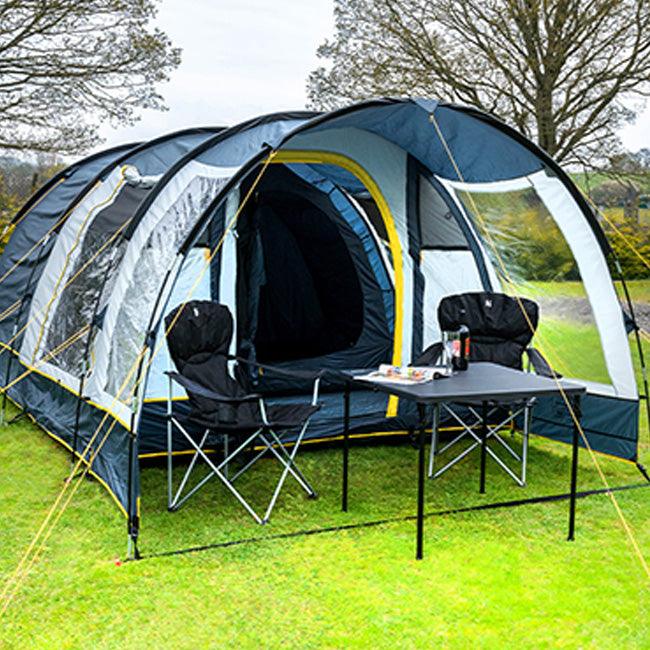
243 58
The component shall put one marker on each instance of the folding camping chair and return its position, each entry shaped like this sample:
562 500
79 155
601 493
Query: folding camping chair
199 335
500 332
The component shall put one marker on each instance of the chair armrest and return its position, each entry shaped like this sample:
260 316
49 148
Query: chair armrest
430 356
311 375
540 365
297 374
202 391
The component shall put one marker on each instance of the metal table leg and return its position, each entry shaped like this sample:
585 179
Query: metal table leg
346 446
574 469
419 550
484 434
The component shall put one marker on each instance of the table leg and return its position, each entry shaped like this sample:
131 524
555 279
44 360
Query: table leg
346 446
419 550
574 469
484 433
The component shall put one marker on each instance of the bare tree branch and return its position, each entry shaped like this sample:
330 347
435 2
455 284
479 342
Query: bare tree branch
563 72
66 66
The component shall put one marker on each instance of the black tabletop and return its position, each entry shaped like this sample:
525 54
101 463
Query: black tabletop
480 382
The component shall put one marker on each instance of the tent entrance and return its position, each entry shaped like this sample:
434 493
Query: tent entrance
298 285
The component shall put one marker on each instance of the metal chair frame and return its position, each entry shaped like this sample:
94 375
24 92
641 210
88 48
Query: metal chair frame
492 432
266 435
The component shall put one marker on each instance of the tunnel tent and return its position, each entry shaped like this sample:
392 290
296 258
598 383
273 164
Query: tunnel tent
396 204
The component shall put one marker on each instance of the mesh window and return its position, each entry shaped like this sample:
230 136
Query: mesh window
156 257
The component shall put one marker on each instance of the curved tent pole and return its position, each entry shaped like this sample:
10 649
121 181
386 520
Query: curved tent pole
154 323
61 176
132 150
220 136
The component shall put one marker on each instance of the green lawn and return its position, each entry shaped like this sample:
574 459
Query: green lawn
496 579
639 289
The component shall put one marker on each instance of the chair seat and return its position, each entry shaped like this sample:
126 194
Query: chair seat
280 416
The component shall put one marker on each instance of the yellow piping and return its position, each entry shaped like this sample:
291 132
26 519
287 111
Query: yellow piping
330 158
59 383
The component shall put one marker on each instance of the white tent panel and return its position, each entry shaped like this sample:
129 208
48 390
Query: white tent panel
57 272
596 279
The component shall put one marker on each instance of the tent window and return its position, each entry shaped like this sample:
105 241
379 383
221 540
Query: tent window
155 258
438 226
94 272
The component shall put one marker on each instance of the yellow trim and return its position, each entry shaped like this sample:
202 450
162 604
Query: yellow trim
350 165
154 400
98 478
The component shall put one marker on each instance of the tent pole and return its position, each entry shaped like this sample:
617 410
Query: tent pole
23 300
644 373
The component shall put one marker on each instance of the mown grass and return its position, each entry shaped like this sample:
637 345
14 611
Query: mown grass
639 289
492 579
497 579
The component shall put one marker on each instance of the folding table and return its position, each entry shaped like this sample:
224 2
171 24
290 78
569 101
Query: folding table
481 382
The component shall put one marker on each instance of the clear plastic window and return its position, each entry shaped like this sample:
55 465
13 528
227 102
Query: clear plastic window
156 258
531 258
90 281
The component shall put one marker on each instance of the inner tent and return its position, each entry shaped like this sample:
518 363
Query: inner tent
310 278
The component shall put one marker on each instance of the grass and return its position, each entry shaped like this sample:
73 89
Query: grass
492 579
639 289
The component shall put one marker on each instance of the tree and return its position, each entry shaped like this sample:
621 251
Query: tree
562 72
628 177
68 65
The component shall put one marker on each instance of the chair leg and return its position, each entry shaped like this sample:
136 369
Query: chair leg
217 472
524 450
175 502
170 467
278 487
225 454
293 468
434 438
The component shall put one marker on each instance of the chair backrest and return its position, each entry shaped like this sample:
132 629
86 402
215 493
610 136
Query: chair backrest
499 329
198 341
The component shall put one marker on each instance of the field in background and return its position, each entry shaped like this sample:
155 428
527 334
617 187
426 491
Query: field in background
502 578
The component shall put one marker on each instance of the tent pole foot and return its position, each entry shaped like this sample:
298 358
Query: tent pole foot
132 551
644 472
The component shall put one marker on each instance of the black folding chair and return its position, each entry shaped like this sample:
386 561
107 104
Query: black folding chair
501 328
222 409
